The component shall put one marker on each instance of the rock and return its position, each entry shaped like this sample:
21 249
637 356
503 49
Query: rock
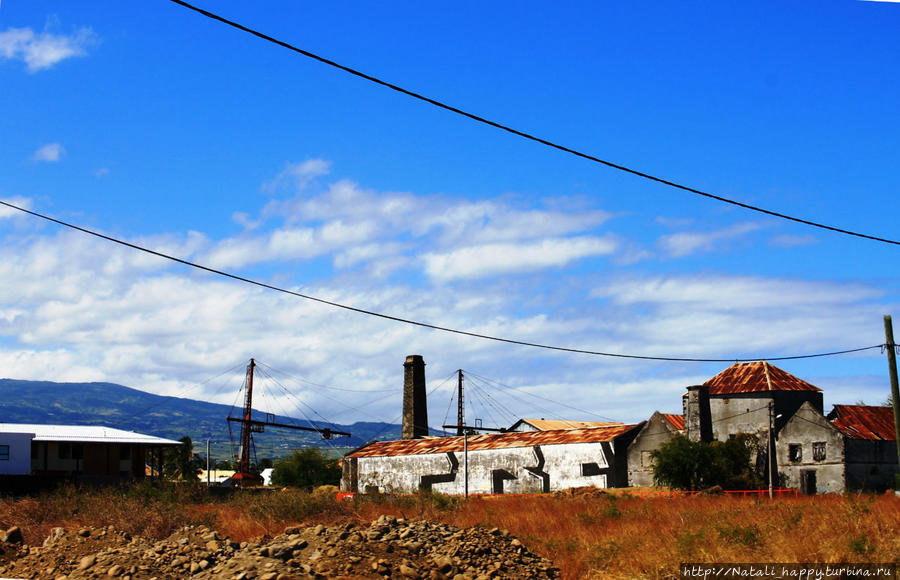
87 562
13 535
115 570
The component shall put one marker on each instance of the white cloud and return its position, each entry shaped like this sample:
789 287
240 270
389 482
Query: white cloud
684 243
733 292
296 176
78 308
496 259
40 51
7 212
51 153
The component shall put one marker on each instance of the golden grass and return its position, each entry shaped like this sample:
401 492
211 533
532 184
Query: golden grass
607 536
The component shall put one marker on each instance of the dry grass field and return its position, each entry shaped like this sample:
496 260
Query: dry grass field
603 536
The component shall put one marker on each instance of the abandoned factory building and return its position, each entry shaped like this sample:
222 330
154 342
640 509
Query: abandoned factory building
851 448
533 456
513 462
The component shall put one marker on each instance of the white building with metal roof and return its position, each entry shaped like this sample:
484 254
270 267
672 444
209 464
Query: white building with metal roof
89 452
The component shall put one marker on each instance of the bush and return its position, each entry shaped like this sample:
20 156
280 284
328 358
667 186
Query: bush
685 464
306 468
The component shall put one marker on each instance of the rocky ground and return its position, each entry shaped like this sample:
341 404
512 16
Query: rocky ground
388 547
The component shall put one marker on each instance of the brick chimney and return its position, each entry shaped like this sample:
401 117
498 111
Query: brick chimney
415 408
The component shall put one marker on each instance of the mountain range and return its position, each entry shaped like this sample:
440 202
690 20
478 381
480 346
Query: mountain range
121 407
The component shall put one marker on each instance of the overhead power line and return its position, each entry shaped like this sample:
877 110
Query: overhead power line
526 135
410 321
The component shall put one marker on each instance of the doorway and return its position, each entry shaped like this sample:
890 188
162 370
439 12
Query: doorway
808 482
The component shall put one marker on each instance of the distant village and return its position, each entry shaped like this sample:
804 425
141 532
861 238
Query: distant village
851 447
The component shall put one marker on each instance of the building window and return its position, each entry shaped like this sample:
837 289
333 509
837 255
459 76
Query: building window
795 453
646 459
4 452
590 469
125 452
77 451
64 450
819 451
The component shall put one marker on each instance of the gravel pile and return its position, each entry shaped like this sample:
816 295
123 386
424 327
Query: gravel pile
388 547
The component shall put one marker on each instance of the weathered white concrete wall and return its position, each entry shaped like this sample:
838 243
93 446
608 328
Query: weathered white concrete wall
19 460
805 428
514 470
731 416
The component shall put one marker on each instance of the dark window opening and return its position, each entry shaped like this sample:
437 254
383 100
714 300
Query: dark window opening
819 451
4 452
34 451
77 451
64 450
125 452
795 453
590 469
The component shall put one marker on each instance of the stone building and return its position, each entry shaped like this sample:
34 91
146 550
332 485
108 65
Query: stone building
659 429
853 448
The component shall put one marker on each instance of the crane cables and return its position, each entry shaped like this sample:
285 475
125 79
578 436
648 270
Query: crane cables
411 321
526 135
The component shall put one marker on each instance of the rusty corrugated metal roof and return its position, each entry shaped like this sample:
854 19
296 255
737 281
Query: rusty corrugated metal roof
755 377
556 424
676 421
491 441
864 422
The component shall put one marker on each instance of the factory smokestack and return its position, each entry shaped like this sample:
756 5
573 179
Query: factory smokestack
415 408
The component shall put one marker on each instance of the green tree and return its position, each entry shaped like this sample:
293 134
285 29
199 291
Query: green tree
306 468
685 464
179 462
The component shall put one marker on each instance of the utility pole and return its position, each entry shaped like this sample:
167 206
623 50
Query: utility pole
466 459
460 409
207 462
891 347
771 448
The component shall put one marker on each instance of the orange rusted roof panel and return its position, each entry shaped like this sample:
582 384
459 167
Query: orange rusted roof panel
676 421
554 425
491 441
864 422
755 377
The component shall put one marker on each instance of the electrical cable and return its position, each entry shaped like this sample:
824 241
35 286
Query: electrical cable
338 401
496 382
526 135
410 321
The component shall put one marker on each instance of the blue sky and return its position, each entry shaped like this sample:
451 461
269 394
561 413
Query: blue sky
156 125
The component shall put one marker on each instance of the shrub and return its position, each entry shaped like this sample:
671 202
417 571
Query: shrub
306 468
685 464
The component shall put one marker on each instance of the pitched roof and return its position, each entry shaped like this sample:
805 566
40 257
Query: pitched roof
83 434
864 422
491 441
755 377
676 421
554 425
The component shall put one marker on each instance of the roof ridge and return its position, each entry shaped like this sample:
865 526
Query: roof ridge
766 371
